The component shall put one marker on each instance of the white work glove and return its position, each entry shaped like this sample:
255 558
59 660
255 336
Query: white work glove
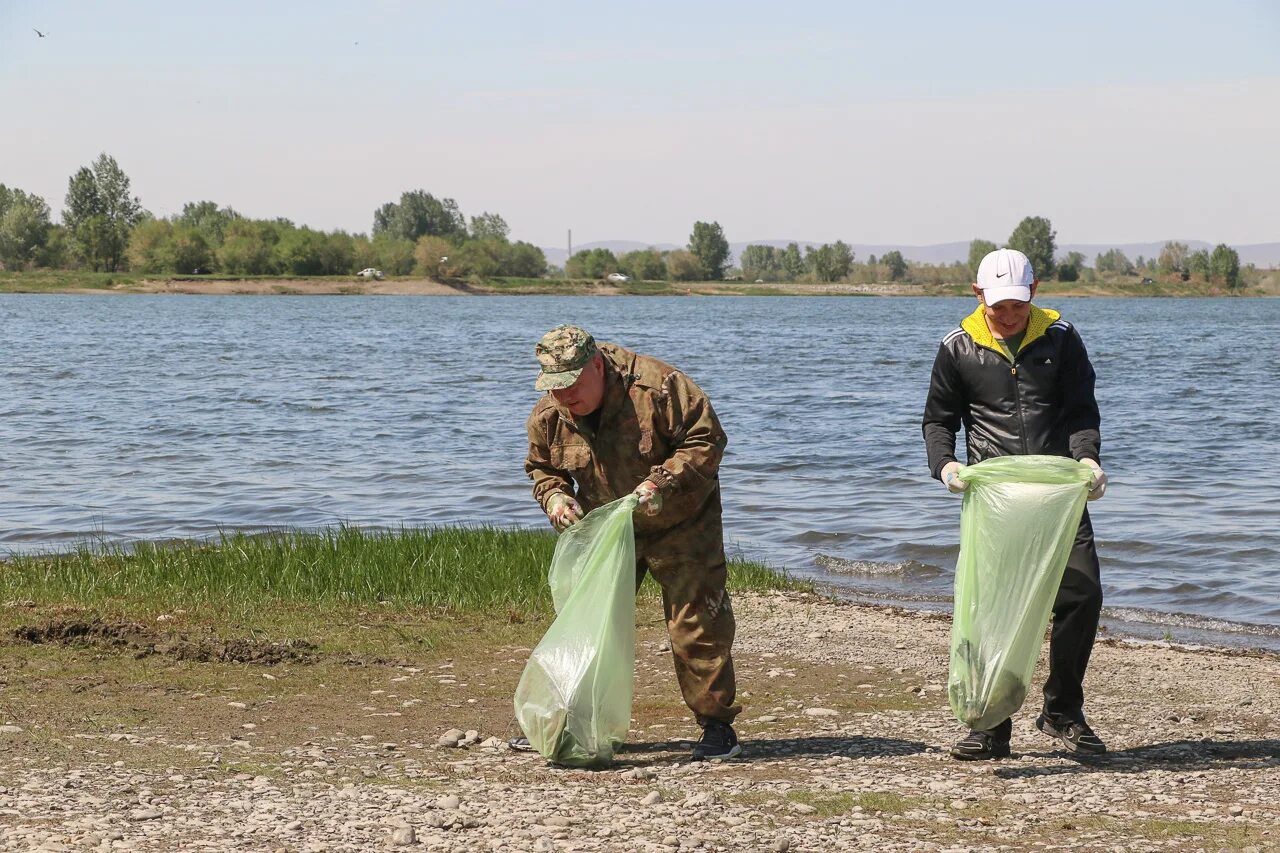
650 498
950 476
563 511
1098 485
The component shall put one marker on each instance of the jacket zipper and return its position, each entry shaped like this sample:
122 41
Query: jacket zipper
1017 394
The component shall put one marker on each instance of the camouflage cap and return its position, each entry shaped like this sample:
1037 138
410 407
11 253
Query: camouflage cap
563 352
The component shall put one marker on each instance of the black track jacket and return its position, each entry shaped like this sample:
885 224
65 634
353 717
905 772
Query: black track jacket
1041 403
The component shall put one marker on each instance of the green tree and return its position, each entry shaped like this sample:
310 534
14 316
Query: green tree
431 255
1114 261
761 262
300 251
24 228
207 218
1198 264
793 264
524 260
895 264
418 213
978 249
158 245
489 226
1034 237
99 212
591 263
147 245
644 264
1070 267
683 266
1224 264
393 255
1173 258
481 258
337 255
708 244
248 247
829 262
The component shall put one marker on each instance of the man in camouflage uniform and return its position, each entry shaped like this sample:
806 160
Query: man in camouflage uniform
617 422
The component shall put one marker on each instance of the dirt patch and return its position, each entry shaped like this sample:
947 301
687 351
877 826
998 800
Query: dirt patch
141 641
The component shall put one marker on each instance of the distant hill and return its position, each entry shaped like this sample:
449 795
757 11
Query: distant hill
1259 254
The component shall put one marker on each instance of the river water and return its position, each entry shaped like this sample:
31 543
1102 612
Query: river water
152 417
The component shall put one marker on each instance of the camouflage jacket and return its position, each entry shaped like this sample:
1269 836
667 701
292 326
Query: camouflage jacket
654 423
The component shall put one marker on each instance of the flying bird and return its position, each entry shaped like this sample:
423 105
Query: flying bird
37 32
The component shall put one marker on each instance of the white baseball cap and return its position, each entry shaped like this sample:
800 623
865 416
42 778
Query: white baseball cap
1005 274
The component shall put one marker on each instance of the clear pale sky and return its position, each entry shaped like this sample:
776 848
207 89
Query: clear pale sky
909 123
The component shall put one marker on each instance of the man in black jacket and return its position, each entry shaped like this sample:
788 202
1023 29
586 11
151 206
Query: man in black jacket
1018 378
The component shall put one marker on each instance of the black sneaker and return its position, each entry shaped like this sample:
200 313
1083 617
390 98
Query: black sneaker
1076 736
520 744
981 745
719 741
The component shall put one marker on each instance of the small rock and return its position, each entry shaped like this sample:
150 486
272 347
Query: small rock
144 814
1235 811
448 803
404 836
651 798
670 841
239 706
10 730
557 820
820 712
802 808
767 718
543 845
781 845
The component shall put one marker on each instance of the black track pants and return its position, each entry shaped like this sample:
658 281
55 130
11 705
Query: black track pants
1075 626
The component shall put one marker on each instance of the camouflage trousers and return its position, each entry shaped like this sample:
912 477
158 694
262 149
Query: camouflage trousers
688 563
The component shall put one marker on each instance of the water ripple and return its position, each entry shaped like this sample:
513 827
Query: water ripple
248 412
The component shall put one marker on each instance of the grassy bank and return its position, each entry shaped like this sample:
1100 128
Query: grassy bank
460 570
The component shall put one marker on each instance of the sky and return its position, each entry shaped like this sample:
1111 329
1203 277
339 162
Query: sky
869 122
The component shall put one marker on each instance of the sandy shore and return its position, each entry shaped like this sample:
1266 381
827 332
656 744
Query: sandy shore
846 729
291 287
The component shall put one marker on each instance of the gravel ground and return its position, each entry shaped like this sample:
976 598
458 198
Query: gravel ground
833 762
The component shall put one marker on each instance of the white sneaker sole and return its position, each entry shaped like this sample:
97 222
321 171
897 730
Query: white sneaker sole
733 753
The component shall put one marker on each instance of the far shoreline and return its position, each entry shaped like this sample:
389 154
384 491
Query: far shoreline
127 283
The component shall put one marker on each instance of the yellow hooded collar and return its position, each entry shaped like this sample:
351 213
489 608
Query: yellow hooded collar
976 325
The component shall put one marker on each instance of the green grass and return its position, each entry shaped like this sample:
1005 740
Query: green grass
480 569
53 281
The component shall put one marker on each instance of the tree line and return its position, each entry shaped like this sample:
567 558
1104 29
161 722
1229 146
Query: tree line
706 258
104 227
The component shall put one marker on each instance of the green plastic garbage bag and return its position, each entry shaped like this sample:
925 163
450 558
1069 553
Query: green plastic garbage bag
1017 527
574 699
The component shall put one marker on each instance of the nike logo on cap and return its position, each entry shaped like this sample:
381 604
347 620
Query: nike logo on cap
1001 274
